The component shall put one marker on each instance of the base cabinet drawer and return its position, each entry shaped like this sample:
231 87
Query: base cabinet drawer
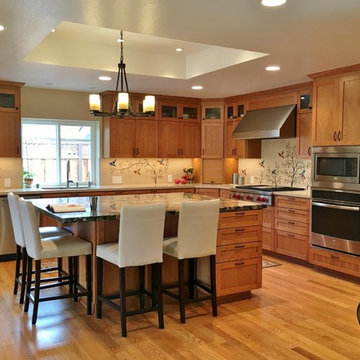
238 252
268 236
295 227
239 235
240 218
343 263
292 214
238 276
292 202
293 245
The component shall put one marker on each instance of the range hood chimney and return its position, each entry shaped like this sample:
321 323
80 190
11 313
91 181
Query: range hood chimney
270 123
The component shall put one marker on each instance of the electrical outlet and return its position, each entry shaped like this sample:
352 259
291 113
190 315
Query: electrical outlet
7 182
117 179
170 178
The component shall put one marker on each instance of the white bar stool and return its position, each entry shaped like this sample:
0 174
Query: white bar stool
141 234
21 256
55 247
197 233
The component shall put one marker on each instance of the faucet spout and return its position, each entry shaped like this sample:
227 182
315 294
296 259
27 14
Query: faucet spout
68 181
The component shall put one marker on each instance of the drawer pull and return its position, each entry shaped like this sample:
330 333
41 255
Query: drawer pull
291 223
334 257
239 230
291 198
240 213
290 235
239 264
291 211
239 246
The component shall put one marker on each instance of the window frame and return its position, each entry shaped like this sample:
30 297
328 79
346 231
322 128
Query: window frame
95 142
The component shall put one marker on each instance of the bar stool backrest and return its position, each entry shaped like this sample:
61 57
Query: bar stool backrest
197 229
29 220
141 235
16 219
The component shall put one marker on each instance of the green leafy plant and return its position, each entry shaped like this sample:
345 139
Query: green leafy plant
28 175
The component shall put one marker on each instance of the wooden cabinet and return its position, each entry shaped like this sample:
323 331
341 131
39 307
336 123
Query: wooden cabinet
336 109
292 226
146 138
333 260
208 192
239 252
179 139
212 136
225 194
268 234
179 109
10 119
230 143
303 135
122 137
212 111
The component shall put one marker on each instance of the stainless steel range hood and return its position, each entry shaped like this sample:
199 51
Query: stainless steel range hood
276 122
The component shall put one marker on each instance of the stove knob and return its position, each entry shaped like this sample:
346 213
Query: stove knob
241 197
248 197
265 200
238 196
259 199
234 196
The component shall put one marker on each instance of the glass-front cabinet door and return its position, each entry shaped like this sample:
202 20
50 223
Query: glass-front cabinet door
9 100
168 110
190 112
213 111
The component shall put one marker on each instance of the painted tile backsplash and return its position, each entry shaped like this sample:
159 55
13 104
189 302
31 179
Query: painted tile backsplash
278 165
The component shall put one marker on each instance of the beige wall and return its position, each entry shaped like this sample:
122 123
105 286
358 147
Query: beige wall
55 104
11 168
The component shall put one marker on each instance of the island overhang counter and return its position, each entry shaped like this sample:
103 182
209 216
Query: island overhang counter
239 245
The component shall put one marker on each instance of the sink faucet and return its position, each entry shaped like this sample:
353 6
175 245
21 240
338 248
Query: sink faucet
68 181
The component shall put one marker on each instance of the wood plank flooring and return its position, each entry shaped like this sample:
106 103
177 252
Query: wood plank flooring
298 314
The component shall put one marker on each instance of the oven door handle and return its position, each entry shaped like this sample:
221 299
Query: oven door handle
339 207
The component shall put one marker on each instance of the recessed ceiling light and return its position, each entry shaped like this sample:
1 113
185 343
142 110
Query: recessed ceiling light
2 27
104 78
197 87
179 49
273 2
272 68
53 30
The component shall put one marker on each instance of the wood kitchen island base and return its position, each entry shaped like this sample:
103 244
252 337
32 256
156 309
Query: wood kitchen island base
238 258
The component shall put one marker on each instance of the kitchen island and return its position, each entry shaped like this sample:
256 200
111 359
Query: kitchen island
239 237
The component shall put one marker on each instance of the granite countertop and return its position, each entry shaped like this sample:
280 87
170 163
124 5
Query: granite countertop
39 191
108 207
300 193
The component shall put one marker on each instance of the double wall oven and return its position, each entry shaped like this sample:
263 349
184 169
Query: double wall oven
335 203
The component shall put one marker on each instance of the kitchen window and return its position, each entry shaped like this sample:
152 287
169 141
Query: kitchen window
47 146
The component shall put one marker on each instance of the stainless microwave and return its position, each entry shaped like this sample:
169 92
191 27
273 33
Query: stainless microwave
336 167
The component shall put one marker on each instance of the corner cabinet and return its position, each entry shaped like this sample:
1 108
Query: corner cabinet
10 119
336 109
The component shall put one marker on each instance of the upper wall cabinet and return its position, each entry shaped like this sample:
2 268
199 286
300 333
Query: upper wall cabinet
181 110
10 119
212 111
336 110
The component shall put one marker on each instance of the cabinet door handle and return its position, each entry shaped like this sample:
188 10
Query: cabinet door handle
309 150
240 230
334 135
339 137
239 213
291 223
291 211
239 246
239 264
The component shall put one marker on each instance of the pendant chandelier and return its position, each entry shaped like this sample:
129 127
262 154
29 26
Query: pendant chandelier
122 106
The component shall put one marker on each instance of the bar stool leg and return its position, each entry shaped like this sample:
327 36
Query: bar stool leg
154 292
28 284
76 277
142 286
99 281
37 290
213 284
191 278
23 275
123 301
60 267
88 285
71 275
17 268
160 295
181 290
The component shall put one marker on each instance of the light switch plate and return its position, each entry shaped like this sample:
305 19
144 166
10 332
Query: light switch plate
170 178
117 179
7 182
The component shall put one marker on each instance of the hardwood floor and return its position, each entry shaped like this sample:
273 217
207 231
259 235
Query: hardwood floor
298 314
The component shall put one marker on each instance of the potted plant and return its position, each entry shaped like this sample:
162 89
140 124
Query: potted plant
28 178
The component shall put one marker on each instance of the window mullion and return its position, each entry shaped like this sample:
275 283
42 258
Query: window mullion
58 152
